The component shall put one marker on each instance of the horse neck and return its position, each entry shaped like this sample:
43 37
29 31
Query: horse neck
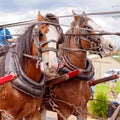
33 72
78 59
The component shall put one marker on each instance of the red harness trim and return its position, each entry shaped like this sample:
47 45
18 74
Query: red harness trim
7 78
74 73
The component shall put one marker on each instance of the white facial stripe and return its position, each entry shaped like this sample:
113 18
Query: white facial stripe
94 25
105 40
52 35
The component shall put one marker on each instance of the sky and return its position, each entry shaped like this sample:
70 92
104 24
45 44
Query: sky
21 10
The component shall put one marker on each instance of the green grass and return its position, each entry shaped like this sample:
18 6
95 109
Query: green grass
98 107
105 88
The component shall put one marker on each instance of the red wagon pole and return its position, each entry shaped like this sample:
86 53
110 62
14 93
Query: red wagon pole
7 78
63 77
101 80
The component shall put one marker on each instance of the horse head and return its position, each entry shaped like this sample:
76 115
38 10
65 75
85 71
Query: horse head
89 31
73 53
53 36
33 55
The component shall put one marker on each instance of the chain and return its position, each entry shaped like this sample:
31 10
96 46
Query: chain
79 110
6 115
55 108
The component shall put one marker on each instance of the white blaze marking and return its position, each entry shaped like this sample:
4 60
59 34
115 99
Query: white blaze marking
52 35
94 25
105 39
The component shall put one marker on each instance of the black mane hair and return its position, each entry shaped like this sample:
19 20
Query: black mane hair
52 18
24 44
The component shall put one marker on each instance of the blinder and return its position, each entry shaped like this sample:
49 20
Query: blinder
40 35
37 38
85 35
61 39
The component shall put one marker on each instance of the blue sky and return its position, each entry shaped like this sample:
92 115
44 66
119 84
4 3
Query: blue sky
21 10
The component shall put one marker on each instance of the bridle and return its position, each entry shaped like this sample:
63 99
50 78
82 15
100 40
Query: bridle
37 36
93 41
66 65
23 82
84 35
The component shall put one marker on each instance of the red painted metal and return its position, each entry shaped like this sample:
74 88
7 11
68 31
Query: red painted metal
74 73
7 78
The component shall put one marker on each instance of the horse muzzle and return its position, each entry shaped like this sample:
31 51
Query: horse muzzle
49 67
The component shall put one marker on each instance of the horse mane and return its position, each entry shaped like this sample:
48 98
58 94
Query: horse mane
67 38
52 18
81 20
24 44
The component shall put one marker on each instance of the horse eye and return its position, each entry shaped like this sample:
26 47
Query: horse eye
76 38
88 27
40 35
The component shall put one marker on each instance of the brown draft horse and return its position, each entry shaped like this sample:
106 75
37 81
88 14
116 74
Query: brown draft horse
22 97
71 97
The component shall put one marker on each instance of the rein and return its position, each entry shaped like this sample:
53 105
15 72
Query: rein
40 45
78 50
101 33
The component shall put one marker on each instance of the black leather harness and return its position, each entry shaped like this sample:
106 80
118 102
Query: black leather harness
23 83
87 73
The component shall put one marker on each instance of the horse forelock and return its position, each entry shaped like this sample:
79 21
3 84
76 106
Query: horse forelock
80 21
52 18
24 43
67 38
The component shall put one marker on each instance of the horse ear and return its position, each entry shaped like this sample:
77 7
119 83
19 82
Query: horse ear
75 15
84 14
73 12
40 17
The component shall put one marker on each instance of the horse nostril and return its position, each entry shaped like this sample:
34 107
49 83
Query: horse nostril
47 64
110 45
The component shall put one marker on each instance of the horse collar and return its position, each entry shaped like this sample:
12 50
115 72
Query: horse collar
69 67
23 83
